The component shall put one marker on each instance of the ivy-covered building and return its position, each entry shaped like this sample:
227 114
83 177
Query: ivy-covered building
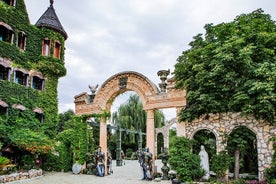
31 62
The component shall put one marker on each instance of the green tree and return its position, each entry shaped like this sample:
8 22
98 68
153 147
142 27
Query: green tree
63 118
132 116
242 144
270 173
186 164
232 68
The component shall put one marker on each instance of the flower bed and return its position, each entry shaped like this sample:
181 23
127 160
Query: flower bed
21 175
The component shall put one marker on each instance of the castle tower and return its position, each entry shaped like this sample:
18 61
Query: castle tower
50 20
31 62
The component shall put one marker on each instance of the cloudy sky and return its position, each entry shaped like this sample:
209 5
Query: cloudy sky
111 36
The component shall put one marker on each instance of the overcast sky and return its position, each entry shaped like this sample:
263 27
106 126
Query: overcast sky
106 37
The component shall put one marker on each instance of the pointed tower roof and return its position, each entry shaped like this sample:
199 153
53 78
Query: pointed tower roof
50 20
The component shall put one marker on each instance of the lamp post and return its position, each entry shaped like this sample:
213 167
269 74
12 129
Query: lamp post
119 147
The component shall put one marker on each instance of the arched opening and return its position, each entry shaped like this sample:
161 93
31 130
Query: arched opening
6 33
10 2
4 72
206 138
160 143
128 115
21 77
100 102
21 40
242 146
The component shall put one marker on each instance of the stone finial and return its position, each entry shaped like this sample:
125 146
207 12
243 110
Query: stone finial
51 2
163 74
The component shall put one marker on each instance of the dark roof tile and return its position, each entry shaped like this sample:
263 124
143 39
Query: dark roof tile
50 20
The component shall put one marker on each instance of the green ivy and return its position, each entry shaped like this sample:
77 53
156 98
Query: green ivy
181 159
21 128
270 173
74 139
217 166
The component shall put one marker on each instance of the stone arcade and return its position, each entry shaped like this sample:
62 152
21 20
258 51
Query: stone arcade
168 97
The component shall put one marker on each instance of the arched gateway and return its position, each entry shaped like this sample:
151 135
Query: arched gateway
169 97
152 98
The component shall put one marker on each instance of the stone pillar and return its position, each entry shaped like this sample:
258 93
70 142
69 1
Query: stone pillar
166 138
103 140
180 126
151 135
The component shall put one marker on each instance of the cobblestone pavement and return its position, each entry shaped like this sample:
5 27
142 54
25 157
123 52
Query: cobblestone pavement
130 173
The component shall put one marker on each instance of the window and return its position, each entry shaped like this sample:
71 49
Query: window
4 73
46 47
6 33
57 50
21 78
10 2
37 83
39 114
21 41
3 111
3 108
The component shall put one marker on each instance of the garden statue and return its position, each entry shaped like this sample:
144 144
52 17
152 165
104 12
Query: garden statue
147 165
109 163
140 157
91 163
204 162
145 161
165 169
100 162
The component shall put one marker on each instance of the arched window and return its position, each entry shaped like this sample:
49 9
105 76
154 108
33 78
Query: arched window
21 40
3 107
37 83
57 50
6 33
39 114
10 2
21 77
4 72
46 47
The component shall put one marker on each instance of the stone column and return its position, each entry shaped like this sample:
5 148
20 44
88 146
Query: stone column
151 135
166 138
180 126
103 140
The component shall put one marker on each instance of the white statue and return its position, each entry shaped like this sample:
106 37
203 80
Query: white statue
204 162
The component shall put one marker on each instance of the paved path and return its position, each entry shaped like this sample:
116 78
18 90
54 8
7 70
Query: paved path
130 173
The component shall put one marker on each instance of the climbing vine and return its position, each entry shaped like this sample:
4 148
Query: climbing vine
22 128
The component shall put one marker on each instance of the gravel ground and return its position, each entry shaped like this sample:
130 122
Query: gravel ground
130 173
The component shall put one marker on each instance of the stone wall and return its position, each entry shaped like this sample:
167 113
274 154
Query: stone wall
21 176
224 124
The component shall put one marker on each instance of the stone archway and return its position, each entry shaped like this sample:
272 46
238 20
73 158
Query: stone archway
165 132
223 124
152 98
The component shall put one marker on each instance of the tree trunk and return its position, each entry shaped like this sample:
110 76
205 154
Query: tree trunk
237 164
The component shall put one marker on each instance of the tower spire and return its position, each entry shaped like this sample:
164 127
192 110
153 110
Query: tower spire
50 20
